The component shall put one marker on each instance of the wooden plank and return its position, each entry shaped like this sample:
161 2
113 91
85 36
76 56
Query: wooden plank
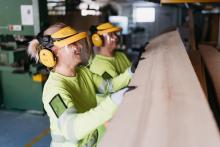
198 66
187 1
168 108
211 57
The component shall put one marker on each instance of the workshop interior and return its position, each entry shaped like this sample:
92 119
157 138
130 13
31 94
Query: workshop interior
148 26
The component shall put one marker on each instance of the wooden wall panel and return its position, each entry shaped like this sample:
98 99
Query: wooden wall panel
168 108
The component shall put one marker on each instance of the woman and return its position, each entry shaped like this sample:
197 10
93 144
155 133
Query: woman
108 62
69 94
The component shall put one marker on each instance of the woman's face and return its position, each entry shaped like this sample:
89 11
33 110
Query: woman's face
70 54
111 40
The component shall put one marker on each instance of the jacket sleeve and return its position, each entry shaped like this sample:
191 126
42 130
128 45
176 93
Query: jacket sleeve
127 60
114 84
75 126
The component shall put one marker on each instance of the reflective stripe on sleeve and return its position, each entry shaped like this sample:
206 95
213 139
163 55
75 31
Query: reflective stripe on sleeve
106 86
58 138
66 124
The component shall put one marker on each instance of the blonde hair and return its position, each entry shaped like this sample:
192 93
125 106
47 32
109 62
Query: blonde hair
34 45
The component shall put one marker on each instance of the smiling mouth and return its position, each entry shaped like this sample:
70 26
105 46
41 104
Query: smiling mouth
77 53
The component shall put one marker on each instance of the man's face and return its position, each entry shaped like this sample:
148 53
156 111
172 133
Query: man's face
111 40
70 54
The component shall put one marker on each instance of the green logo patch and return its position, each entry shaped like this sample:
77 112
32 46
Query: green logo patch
106 75
58 105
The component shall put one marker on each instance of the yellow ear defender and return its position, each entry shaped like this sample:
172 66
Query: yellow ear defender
97 38
61 38
47 58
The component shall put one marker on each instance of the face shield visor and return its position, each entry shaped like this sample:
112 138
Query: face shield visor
79 41
120 39
110 31
118 34
86 52
113 39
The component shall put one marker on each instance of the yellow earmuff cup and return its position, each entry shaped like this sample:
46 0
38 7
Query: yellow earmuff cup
97 40
47 58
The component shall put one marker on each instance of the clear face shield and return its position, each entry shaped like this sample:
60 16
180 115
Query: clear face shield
120 39
86 52
68 38
80 51
113 38
75 44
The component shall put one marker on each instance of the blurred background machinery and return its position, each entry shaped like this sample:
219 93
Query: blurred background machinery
21 80
198 24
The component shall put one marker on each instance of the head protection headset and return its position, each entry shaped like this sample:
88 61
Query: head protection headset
97 38
61 38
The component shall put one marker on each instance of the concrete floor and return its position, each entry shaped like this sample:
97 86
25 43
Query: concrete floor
23 129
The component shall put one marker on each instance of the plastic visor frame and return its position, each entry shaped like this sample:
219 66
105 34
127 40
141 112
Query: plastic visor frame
114 29
61 42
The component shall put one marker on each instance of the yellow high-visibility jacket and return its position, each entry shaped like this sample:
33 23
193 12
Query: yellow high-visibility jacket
109 67
70 102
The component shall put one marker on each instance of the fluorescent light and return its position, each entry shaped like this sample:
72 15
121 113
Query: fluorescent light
90 12
83 6
144 14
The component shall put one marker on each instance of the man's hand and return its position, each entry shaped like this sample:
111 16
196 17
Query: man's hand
118 96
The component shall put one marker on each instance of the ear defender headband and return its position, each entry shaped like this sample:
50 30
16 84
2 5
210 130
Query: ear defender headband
97 38
61 38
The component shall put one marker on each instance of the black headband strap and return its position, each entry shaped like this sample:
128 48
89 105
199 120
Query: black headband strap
45 40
